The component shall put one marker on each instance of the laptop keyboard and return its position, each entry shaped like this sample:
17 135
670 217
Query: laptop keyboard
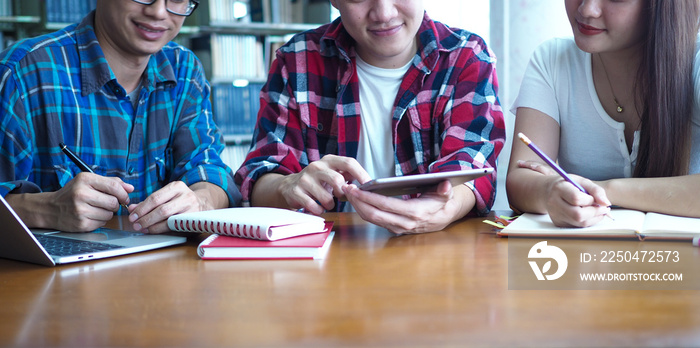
64 247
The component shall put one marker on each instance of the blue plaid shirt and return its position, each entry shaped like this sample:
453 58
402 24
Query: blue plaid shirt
59 88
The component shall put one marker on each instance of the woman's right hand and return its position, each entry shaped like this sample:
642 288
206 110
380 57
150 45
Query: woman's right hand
569 207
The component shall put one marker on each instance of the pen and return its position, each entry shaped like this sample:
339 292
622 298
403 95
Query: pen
552 164
78 162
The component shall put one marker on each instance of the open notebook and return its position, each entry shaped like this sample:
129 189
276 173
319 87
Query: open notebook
626 223
51 247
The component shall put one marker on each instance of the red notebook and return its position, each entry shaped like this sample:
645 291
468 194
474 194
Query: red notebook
310 246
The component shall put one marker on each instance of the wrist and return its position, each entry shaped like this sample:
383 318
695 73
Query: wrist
609 188
34 209
268 189
549 184
465 199
210 196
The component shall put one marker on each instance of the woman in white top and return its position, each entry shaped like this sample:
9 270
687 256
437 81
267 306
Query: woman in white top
615 107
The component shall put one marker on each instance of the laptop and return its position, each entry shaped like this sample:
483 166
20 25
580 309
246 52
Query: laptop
52 247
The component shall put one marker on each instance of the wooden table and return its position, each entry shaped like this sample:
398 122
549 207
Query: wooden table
448 288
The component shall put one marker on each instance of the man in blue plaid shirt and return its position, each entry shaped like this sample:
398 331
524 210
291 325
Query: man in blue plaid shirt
131 104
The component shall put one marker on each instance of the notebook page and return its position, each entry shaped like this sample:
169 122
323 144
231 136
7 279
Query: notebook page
662 224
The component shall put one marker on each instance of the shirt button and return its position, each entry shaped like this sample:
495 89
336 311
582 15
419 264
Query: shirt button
319 127
131 170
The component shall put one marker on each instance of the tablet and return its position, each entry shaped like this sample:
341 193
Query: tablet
421 183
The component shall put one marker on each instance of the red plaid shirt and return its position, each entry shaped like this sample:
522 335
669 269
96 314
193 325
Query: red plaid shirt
446 115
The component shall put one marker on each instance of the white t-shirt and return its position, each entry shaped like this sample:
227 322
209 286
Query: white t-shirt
559 82
378 90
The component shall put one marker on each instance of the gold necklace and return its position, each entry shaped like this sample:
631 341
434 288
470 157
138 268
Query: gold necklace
619 107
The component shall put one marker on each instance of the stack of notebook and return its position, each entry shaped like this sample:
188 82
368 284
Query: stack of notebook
257 233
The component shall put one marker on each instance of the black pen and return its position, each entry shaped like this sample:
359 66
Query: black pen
78 162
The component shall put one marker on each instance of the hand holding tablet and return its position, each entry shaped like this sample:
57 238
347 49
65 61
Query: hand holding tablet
421 183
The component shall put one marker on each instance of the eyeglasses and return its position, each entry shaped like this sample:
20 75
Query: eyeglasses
176 7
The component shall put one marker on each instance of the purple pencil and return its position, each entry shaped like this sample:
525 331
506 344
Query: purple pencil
553 164
549 161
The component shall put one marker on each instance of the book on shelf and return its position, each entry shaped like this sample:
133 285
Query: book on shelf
236 57
625 223
230 57
312 246
261 223
6 8
260 11
229 11
236 108
68 11
226 12
272 44
317 12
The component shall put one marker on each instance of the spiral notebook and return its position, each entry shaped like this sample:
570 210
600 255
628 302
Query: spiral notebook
252 222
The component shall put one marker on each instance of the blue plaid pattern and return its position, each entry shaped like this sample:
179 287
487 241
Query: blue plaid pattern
59 88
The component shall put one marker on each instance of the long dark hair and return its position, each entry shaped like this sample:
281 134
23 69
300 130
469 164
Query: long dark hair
665 88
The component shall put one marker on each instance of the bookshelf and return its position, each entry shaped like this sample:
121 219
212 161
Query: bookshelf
18 19
234 39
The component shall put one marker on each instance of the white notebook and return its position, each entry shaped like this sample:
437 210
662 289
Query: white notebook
252 222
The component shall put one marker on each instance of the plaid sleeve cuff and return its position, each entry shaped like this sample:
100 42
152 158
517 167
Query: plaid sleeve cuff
222 177
19 186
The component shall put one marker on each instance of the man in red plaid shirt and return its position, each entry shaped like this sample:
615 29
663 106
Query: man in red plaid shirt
381 91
